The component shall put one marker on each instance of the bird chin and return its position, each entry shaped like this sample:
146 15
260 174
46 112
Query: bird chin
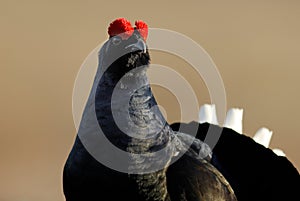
137 59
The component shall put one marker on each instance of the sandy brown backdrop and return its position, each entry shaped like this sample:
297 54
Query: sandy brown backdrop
255 45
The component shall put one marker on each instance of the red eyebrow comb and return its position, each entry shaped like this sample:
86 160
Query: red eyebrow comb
122 27
142 27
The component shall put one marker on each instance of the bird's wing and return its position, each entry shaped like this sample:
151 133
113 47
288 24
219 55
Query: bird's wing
192 177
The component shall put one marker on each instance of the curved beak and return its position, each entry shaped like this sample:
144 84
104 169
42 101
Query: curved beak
139 45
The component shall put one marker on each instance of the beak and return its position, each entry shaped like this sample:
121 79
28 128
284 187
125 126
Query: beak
139 45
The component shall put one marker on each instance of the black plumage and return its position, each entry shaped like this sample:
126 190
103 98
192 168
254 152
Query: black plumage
186 173
253 171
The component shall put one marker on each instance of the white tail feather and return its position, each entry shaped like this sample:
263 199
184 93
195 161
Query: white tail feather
234 119
279 152
208 114
263 136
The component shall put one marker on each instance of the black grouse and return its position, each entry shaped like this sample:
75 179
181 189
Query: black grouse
121 103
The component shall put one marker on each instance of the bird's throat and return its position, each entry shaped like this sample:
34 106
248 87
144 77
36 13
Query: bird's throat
128 114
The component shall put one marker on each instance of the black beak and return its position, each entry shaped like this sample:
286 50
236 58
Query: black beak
139 45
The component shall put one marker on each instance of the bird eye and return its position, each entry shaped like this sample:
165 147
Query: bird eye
116 40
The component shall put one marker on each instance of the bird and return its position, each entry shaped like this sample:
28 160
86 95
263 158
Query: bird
122 102
253 171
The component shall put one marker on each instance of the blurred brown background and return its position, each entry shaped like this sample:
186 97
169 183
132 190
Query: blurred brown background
254 44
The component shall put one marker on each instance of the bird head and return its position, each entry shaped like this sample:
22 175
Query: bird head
126 48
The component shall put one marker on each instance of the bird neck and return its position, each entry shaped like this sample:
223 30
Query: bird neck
128 113
129 117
